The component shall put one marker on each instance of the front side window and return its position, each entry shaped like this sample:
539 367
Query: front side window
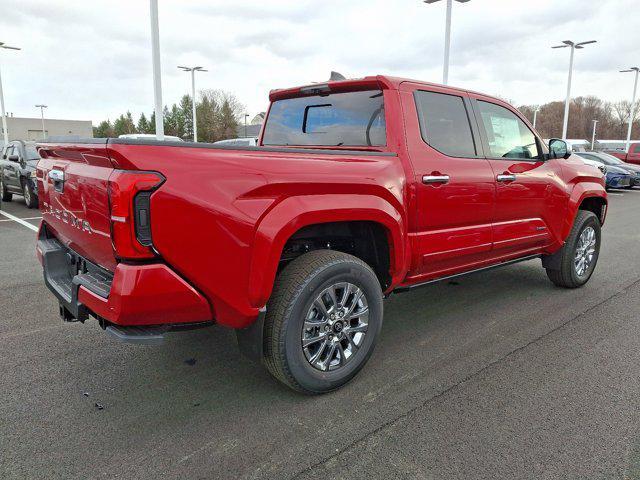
444 123
350 119
507 135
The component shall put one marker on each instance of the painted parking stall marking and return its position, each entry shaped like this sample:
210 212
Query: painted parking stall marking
19 220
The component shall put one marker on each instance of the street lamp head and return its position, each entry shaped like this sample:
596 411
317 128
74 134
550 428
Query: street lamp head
192 69
631 69
3 45
41 106
434 1
578 46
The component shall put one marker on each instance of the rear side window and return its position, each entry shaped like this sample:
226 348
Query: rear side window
351 119
444 123
507 135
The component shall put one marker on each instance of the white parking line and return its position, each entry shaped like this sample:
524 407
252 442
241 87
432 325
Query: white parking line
28 218
19 220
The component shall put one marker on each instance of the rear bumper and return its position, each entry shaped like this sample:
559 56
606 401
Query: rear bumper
132 295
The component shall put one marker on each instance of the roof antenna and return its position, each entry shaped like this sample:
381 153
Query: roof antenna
335 77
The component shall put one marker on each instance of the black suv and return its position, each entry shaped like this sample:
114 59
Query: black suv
18 172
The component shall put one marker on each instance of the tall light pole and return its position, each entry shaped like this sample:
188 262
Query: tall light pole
633 104
593 137
155 58
42 107
193 71
574 46
5 132
245 124
535 116
447 38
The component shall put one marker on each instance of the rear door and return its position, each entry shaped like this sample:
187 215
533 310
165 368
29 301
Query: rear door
453 185
74 200
530 199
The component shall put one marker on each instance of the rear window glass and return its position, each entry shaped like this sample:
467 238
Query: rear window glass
444 123
351 118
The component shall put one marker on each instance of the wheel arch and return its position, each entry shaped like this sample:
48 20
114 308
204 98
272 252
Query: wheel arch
294 214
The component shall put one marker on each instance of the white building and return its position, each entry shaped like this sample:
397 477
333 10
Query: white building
23 128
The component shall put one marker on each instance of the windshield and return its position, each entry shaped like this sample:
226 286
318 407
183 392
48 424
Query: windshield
351 119
609 159
32 153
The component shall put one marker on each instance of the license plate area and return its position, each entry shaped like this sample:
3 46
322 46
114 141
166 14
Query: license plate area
65 271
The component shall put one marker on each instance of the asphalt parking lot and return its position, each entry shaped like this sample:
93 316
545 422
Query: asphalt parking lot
496 375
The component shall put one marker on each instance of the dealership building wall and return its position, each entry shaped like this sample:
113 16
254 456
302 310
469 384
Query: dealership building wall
23 128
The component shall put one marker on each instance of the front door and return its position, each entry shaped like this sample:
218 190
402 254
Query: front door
529 192
453 187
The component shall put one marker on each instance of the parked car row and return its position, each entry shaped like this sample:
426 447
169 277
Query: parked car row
619 174
18 172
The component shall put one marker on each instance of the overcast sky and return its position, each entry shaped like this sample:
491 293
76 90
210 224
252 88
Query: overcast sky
91 60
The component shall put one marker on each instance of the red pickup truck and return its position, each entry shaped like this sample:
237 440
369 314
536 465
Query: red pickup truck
632 156
358 189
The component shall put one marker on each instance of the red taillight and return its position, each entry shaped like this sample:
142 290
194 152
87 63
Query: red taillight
126 213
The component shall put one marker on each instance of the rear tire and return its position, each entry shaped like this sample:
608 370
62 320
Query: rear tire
322 322
580 253
30 197
6 196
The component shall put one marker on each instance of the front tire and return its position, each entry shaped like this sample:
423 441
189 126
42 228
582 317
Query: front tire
579 255
30 197
323 320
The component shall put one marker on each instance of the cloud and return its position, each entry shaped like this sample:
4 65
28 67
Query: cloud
91 60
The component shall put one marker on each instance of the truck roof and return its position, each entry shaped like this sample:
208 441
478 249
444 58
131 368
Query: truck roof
376 81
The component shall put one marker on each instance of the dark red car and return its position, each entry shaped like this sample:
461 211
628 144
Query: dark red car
358 189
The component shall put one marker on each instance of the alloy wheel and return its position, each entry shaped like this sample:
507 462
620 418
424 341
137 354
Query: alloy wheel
585 251
335 326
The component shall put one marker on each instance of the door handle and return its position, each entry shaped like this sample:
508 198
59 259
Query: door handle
510 177
431 179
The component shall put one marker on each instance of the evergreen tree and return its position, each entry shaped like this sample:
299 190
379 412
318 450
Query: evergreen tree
143 124
124 125
103 130
187 115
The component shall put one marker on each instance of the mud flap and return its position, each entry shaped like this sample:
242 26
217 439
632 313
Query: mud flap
250 339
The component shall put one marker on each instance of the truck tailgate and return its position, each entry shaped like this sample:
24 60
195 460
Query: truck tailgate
74 198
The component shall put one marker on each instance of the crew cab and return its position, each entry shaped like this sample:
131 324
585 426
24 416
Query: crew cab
358 189
632 156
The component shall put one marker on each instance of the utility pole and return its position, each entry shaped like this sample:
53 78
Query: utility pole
155 58
447 38
574 47
5 132
193 71
42 107
632 114
593 137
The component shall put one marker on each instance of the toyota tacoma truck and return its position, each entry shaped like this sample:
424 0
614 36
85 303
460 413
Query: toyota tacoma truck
357 189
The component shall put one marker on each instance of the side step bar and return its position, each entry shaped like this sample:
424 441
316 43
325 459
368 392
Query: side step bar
407 288
138 335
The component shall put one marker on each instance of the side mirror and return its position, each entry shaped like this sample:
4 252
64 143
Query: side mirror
13 158
559 148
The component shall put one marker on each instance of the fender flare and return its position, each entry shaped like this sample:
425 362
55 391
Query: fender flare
294 213
580 193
